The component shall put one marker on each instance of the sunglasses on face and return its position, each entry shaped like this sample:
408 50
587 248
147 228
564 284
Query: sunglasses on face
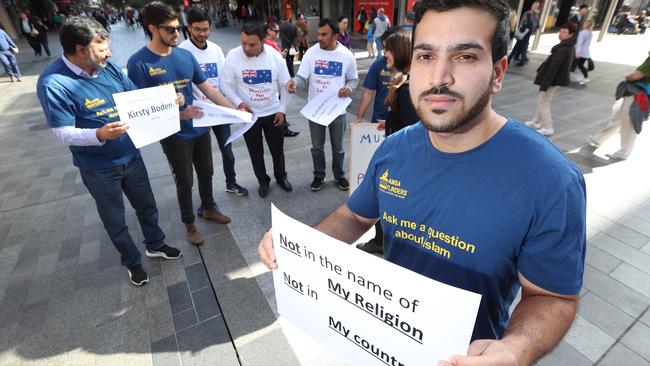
169 29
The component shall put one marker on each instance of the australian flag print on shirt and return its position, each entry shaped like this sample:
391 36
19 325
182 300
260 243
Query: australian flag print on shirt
331 68
210 70
253 77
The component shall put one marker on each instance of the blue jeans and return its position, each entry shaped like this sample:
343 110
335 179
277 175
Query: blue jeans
380 47
106 187
337 130
520 51
9 62
222 133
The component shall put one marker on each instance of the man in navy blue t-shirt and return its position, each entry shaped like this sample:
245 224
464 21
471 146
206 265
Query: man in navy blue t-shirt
76 93
160 63
473 199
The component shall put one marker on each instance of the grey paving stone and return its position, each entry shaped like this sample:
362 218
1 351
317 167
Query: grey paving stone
646 317
159 322
184 319
632 277
165 352
626 235
197 278
600 259
174 271
564 354
622 251
206 340
621 296
588 339
179 297
205 303
155 292
621 355
638 340
606 316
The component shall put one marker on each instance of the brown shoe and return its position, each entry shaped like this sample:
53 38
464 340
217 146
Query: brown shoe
193 235
214 215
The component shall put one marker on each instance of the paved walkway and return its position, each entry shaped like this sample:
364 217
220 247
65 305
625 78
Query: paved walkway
64 299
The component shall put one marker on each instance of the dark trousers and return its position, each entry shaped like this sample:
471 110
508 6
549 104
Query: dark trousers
181 155
33 43
275 139
222 133
289 60
580 63
520 50
46 46
106 187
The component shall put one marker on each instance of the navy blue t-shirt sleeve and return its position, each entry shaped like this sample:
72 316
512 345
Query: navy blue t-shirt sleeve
58 108
135 73
553 254
372 78
364 201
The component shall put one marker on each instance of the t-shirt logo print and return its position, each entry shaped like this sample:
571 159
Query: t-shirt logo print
252 77
330 68
90 104
210 69
391 186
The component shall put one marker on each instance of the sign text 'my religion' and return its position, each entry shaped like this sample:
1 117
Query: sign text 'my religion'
148 111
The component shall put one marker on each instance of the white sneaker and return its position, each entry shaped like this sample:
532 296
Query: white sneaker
593 142
533 124
617 156
546 131
584 81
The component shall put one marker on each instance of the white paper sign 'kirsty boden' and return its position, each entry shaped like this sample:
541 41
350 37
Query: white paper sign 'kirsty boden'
151 113
214 115
366 310
325 107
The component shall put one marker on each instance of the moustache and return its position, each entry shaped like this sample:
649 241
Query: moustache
443 90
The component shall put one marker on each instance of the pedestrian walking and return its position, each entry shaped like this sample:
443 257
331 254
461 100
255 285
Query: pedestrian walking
381 24
30 33
182 15
527 27
76 94
635 83
211 60
303 35
160 62
362 17
254 78
344 36
551 74
582 52
372 51
327 67
288 41
41 37
7 50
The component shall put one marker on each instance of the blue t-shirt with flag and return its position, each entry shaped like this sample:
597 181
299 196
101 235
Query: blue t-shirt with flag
68 99
476 219
377 79
179 68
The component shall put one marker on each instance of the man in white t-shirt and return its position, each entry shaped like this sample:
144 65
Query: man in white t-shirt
254 77
211 58
325 66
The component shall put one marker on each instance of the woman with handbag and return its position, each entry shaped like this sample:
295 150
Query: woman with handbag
30 33
41 37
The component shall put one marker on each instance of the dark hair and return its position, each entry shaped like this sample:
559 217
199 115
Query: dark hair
572 27
197 15
340 19
80 31
583 6
268 26
253 29
330 23
157 13
400 47
499 9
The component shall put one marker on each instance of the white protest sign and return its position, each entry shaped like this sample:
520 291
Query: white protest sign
365 309
151 113
325 107
214 115
364 141
241 131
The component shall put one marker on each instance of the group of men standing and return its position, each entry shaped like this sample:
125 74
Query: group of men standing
76 91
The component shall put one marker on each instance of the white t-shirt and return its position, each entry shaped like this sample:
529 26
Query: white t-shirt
211 61
256 81
327 69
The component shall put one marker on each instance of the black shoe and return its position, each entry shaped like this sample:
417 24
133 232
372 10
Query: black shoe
285 184
264 190
519 64
289 133
165 251
137 275
317 184
371 247
343 184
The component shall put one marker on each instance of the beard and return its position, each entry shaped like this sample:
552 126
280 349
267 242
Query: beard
466 115
97 64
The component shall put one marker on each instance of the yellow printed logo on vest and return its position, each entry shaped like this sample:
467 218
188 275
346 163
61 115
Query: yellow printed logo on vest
90 104
153 71
391 186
